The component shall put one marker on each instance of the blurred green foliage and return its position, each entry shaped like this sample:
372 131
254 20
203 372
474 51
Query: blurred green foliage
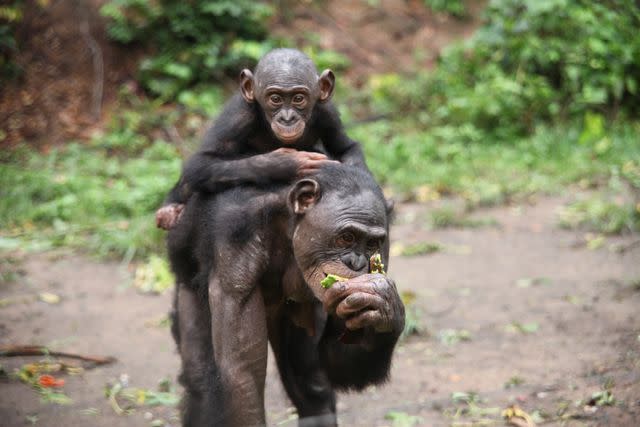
524 107
486 173
532 61
83 197
193 42
10 16
452 7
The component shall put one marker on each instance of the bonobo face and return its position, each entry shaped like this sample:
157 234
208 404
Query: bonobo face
287 109
338 235
287 87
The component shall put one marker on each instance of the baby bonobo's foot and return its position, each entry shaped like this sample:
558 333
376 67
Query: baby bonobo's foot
168 216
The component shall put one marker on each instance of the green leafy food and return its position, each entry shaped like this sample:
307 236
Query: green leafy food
328 281
375 264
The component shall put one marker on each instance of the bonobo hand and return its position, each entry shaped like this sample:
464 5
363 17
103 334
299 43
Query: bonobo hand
168 216
370 300
302 162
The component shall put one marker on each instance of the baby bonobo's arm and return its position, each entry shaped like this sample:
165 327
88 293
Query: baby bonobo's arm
224 160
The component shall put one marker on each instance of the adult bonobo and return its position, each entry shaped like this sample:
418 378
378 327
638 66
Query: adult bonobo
268 132
252 275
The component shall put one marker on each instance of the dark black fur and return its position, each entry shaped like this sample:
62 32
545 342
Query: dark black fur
226 157
311 368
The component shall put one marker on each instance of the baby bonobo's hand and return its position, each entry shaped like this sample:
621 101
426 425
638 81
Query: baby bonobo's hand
370 300
306 162
168 216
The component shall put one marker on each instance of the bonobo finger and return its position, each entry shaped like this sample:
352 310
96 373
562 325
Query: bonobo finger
285 150
364 319
311 166
313 155
357 302
340 290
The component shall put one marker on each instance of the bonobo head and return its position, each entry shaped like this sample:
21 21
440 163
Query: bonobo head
340 221
287 86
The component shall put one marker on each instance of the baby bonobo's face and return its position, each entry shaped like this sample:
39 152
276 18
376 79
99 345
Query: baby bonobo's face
288 109
287 87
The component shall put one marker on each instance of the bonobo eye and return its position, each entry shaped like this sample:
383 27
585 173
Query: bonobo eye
345 240
275 99
373 245
298 99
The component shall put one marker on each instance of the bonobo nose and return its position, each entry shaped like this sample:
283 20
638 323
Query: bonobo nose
355 262
288 117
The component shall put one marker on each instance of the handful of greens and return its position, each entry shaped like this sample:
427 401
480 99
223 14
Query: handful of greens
375 267
328 281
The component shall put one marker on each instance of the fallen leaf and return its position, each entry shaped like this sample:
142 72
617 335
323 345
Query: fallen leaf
49 298
50 381
516 416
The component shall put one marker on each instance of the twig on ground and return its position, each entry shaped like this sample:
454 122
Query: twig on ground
39 350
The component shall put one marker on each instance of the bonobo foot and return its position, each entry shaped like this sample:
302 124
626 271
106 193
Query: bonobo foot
168 216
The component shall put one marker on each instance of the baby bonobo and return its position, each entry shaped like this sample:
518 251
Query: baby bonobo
269 132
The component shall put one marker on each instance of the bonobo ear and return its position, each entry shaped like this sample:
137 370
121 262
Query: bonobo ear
303 196
326 82
246 85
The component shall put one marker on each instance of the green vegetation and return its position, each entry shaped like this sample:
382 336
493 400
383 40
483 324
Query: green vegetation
452 7
195 42
83 197
10 16
544 96
450 218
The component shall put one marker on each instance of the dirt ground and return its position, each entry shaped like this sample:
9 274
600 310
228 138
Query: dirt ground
582 302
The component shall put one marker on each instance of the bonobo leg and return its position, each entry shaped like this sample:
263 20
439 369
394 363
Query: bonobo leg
304 379
203 403
239 335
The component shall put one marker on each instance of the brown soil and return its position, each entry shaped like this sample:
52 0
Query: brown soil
70 73
584 303
380 36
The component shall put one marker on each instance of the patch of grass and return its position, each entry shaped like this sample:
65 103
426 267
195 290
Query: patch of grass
486 173
153 276
450 218
416 249
523 328
454 336
601 214
81 196
514 381
402 419
413 315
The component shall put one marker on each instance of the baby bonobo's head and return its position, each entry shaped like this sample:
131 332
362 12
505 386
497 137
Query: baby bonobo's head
340 223
287 87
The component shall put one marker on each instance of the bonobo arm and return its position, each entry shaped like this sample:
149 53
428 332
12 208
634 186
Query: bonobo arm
335 139
225 138
370 306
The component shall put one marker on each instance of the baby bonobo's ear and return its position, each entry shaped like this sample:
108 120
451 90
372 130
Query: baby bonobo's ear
303 196
326 83
246 85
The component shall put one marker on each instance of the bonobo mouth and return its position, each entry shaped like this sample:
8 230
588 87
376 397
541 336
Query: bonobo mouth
288 134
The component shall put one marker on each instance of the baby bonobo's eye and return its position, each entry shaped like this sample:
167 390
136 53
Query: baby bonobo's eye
298 99
275 99
345 240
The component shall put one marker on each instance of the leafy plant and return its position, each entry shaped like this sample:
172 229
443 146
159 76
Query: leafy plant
452 7
10 16
84 197
194 42
530 62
